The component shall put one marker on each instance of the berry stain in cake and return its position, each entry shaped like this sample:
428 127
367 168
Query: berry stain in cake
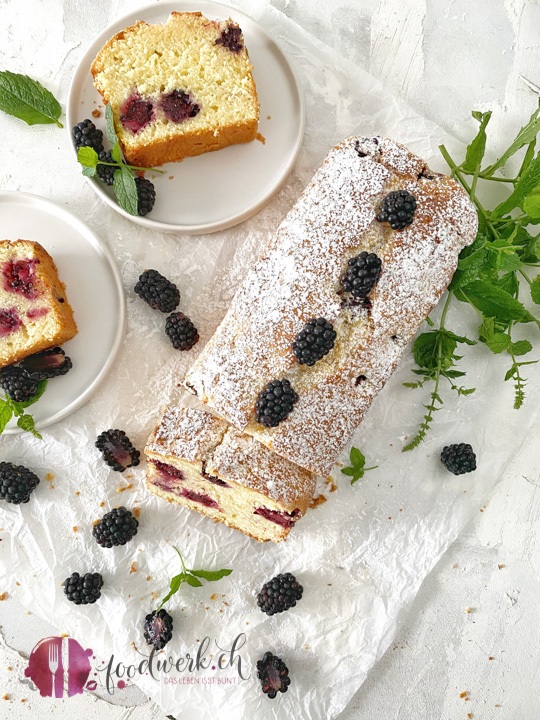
9 322
178 106
168 473
136 113
19 277
231 38
284 519
205 500
35 313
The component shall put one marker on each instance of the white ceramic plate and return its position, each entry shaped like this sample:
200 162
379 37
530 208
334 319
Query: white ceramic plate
219 189
93 288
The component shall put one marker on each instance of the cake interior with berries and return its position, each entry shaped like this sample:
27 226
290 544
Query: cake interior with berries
35 314
178 89
197 460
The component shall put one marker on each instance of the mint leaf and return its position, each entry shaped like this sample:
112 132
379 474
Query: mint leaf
477 148
125 190
531 205
28 100
6 413
89 171
26 422
526 135
357 457
111 132
191 577
469 268
357 469
88 157
193 581
525 186
535 290
509 283
494 302
116 153
174 586
521 347
211 575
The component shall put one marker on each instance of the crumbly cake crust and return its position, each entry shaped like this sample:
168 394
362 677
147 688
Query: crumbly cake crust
297 279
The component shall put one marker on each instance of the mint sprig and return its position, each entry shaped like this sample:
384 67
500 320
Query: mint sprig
489 271
191 577
28 100
357 468
9 409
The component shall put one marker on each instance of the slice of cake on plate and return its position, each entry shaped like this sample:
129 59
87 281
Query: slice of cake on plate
178 89
34 311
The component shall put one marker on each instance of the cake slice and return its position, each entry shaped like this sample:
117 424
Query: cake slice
178 89
34 311
201 462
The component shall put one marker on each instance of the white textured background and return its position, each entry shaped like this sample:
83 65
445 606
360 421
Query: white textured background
444 58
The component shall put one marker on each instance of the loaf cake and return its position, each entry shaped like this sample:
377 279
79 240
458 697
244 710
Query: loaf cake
34 311
201 462
373 210
178 89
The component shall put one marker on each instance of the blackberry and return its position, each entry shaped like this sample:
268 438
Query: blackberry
83 589
16 483
157 291
181 331
47 364
85 134
18 384
273 674
146 196
279 594
231 38
106 172
361 275
116 527
314 341
275 402
459 458
398 209
117 450
158 627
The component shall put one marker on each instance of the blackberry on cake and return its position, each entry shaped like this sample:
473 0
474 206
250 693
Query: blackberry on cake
273 674
158 627
459 458
275 402
47 364
178 89
85 134
160 293
83 589
17 483
361 275
181 331
279 594
116 527
17 383
314 341
117 450
146 196
398 209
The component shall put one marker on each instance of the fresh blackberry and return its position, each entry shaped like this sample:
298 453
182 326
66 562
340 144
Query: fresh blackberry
47 364
361 275
117 450
459 458
181 331
83 589
16 483
279 594
314 341
106 172
157 291
146 194
273 674
85 134
398 209
158 627
275 402
18 384
116 527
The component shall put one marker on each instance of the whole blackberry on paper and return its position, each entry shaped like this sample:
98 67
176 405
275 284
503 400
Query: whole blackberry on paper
279 594
459 458
116 527
273 674
83 589
16 483
117 450
160 293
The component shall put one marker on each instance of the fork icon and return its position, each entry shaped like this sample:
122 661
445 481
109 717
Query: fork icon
53 667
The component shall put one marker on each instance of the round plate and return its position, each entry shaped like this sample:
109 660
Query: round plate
219 189
94 291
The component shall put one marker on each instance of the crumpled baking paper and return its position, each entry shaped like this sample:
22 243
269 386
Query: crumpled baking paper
361 556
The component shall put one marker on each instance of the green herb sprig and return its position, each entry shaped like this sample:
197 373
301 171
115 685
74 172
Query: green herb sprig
28 100
9 408
357 468
191 577
489 272
124 186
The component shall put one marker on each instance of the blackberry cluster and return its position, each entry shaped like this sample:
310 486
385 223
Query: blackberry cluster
106 172
279 594
275 402
47 364
361 275
459 458
116 527
19 385
160 293
158 627
117 450
314 341
273 674
83 589
16 483
181 331
146 195
85 134
398 209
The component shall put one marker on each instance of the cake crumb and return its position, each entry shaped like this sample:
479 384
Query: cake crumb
469 715
454 566
133 567
137 512
491 657
463 694
96 113
4 596
213 596
78 492
10 668
171 177
501 566
123 489
319 500
95 522
49 477
102 503
468 610
260 138
75 528
23 699
268 117
148 577
5 697
64 635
